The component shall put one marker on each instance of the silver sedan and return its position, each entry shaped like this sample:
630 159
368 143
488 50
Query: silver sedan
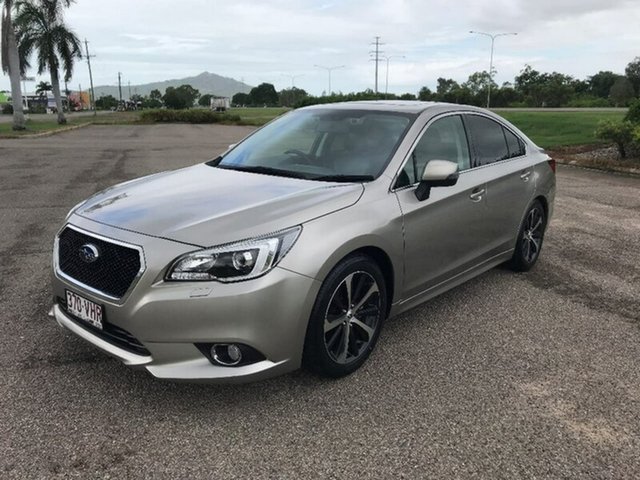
293 247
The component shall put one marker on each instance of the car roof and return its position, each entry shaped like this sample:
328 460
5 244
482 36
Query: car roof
399 106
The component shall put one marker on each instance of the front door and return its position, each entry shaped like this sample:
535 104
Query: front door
446 233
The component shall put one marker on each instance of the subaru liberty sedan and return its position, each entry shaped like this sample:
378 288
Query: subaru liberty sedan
294 246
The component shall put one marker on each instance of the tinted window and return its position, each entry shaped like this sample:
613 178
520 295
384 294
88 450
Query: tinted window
488 139
515 145
445 139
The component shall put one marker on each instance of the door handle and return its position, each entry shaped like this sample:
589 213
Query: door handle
477 194
525 175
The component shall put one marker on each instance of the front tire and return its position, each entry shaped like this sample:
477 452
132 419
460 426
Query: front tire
530 237
346 319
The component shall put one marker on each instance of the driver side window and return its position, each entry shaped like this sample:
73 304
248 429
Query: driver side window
444 139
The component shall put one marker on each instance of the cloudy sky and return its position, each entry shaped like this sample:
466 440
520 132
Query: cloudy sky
269 41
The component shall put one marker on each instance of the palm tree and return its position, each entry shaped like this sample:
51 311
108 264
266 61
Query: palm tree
41 29
42 88
11 63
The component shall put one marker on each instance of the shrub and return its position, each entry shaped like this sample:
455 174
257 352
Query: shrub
37 108
7 109
589 101
187 116
633 114
622 134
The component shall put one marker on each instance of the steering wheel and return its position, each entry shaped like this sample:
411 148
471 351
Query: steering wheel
299 153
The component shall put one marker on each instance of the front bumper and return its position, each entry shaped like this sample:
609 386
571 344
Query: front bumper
269 314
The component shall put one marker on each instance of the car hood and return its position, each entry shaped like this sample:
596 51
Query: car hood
206 206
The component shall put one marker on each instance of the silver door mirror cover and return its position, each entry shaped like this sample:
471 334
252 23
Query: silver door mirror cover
437 173
439 170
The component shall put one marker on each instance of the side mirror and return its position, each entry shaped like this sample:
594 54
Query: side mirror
437 173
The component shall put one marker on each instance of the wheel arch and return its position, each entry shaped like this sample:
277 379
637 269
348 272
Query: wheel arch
545 205
379 256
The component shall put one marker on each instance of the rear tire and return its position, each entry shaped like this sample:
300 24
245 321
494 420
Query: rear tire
530 238
346 319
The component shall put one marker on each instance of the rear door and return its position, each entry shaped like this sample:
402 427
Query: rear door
501 155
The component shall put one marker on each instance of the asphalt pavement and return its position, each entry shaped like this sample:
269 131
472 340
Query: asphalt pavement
530 375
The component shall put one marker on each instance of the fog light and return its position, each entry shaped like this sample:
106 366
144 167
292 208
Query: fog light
228 354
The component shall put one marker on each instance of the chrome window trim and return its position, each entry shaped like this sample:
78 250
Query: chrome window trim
461 113
74 282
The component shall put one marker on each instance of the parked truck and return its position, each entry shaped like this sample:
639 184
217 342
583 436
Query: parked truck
220 104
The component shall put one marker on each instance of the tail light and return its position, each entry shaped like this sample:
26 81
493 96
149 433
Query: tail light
552 164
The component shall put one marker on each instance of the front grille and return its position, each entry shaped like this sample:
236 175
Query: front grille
110 333
113 271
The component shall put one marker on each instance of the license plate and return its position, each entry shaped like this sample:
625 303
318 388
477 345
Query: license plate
84 309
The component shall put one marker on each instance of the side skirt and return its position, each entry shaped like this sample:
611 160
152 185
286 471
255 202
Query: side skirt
460 278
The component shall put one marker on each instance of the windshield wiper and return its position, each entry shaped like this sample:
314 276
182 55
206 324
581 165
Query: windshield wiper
264 170
344 178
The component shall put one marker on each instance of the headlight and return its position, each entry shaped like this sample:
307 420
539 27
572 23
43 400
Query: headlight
235 261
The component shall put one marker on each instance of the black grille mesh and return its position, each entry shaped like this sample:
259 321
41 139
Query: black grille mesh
112 273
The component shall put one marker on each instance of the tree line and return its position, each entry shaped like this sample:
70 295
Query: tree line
530 88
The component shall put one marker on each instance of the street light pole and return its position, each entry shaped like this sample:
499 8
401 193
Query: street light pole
329 69
293 78
386 83
493 40
293 86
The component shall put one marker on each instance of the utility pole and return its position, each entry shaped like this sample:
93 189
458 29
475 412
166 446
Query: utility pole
493 40
120 86
377 52
92 98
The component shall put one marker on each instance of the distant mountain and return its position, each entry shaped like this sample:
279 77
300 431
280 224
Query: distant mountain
205 82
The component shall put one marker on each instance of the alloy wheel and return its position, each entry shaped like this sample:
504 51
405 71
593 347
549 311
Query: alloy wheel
532 234
352 317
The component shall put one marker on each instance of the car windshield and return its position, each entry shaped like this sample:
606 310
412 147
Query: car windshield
322 144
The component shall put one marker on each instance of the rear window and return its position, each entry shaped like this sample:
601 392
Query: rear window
489 142
514 144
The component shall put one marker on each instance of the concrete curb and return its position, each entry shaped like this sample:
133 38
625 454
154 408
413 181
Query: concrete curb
47 133
635 172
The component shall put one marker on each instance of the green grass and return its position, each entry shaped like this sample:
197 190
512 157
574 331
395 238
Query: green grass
257 116
37 126
556 129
